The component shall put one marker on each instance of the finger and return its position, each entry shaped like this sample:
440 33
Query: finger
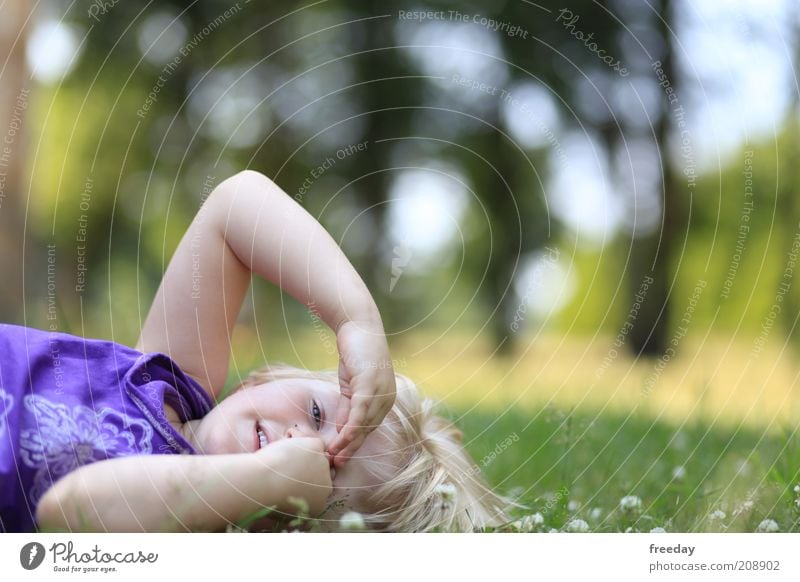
351 431
342 440
359 405
342 412
342 366
344 379
354 428
347 453
377 410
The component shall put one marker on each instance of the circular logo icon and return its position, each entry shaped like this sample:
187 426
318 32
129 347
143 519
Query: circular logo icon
31 555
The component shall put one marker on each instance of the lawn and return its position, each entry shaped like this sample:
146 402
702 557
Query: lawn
575 466
710 444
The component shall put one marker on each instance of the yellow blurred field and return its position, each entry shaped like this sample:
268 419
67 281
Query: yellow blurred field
713 383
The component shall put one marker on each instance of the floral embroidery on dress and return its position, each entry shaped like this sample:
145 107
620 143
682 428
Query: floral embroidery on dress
6 404
69 437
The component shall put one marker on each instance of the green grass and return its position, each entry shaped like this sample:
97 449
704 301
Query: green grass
566 464
730 421
569 466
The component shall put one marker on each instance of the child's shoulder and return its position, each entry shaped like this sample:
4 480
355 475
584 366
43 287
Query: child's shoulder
31 339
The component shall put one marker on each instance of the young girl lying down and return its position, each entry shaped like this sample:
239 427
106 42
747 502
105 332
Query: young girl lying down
97 436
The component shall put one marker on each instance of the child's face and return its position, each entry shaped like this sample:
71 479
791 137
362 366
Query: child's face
284 409
280 409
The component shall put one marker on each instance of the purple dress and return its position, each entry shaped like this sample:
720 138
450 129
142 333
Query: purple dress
66 401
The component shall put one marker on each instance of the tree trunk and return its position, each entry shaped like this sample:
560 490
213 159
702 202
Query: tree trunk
652 254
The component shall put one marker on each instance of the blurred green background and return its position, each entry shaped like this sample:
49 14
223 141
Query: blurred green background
587 209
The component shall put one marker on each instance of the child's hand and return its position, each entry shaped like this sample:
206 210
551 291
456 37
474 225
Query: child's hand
366 377
306 471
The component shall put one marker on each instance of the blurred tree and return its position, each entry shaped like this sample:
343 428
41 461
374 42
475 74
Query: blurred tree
14 101
609 100
388 98
588 53
653 255
787 188
191 92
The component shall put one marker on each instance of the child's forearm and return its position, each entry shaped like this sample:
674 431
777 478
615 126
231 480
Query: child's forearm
247 224
163 493
276 238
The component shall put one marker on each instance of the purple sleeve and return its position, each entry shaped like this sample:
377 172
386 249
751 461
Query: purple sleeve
67 401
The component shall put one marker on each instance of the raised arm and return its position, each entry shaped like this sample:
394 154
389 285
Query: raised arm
246 224
169 493
249 224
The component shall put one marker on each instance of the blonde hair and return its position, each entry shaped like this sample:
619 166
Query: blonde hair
427 481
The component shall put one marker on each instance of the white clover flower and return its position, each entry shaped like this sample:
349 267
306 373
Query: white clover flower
630 504
596 513
352 521
573 506
679 473
717 515
577 526
797 489
553 530
658 530
631 530
447 491
529 522
797 502
768 526
744 507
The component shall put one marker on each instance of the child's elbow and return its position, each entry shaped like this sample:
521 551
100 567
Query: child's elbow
238 192
252 175
248 180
